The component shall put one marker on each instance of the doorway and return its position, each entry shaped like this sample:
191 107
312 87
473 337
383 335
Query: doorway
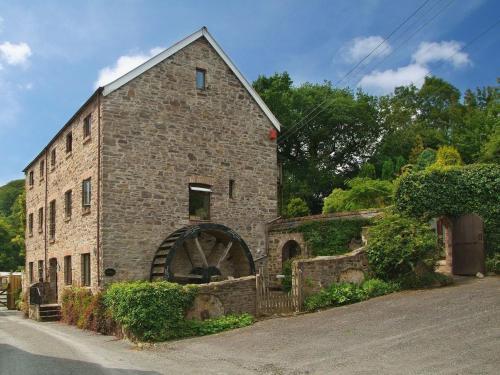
53 295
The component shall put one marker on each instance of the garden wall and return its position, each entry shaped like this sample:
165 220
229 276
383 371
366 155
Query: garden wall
224 297
320 272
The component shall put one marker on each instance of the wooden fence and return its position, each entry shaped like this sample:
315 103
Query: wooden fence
271 302
9 288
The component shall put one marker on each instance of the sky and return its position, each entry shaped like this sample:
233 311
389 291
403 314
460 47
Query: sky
53 54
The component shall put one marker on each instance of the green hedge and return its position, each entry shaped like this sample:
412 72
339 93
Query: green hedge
454 191
331 237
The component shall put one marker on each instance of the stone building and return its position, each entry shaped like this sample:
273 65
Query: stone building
170 171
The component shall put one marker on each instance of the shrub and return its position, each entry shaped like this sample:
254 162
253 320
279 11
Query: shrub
151 311
363 193
426 159
490 151
216 325
331 237
296 207
367 170
426 280
493 263
454 191
446 156
347 293
400 246
75 301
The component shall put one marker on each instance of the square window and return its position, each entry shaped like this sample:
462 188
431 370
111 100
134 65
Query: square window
68 203
31 178
199 202
86 269
30 224
69 142
86 193
42 168
68 274
40 270
87 126
200 79
40 220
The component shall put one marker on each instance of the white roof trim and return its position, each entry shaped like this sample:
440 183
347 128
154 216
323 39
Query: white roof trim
116 84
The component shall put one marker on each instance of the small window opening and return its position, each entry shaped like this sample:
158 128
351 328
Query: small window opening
231 188
86 269
87 124
199 202
200 79
69 142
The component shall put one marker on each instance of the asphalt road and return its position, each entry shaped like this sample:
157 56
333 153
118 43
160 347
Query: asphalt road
453 330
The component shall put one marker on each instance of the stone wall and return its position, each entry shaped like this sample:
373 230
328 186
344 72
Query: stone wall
225 297
77 234
320 272
160 133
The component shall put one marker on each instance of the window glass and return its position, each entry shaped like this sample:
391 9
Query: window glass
68 203
69 142
68 277
87 126
86 269
52 221
199 202
200 79
86 192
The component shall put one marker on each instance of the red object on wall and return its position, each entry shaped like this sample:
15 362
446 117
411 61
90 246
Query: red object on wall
273 134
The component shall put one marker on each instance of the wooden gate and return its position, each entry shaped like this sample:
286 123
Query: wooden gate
9 288
468 245
271 302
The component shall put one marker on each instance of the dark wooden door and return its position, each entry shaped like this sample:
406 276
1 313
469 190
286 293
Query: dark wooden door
468 245
53 280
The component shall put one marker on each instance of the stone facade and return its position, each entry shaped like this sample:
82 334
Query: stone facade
151 138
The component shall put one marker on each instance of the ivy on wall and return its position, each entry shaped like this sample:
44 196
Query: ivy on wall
331 237
454 191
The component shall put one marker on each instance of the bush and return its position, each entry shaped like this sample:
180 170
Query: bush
387 170
216 325
399 246
426 280
363 193
296 207
493 263
454 191
75 301
331 237
399 163
347 293
151 311
447 156
426 159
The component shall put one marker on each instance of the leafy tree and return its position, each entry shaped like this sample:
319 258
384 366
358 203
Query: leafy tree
363 193
417 149
296 207
340 132
12 224
400 162
367 170
490 151
387 170
8 195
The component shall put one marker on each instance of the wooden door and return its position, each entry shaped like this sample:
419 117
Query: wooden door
468 245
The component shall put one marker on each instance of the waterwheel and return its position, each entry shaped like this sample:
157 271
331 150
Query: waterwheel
200 254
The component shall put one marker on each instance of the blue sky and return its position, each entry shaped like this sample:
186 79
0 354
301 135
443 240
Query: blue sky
54 53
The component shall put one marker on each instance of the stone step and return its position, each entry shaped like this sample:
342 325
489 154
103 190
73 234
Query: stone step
50 318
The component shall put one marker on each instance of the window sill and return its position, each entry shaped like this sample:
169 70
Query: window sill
66 219
40 231
193 220
52 240
52 168
69 154
86 211
87 139
31 187
30 235
42 179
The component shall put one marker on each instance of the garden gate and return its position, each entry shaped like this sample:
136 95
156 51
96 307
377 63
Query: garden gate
276 301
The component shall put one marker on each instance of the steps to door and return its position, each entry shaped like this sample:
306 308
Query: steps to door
49 313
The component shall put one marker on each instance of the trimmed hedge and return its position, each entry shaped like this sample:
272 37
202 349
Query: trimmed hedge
331 237
454 191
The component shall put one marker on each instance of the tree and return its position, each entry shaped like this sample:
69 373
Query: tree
399 163
490 151
417 149
8 195
339 133
367 170
426 159
12 224
387 170
447 155
296 207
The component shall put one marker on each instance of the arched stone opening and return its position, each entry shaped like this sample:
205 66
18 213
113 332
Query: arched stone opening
290 250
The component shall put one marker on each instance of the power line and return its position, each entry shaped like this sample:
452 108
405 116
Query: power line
285 134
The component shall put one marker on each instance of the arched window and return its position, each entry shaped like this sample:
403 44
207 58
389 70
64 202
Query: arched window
290 250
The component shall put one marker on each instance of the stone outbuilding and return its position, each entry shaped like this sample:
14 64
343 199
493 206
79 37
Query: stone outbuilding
168 172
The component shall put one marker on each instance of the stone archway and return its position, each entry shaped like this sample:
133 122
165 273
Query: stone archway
290 250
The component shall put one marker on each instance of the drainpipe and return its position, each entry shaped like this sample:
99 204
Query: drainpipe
45 216
98 239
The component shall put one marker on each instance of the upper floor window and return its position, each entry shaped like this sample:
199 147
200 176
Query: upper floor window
31 178
53 158
199 202
201 79
42 168
40 219
87 126
85 269
52 220
69 142
68 277
86 193
30 273
30 224
40 270
231 188
68 203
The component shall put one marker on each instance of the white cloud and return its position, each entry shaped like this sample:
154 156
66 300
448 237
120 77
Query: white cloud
358 48
385 81
123 65
15 54
429 52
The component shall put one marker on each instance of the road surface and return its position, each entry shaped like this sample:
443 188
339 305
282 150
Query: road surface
453 330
